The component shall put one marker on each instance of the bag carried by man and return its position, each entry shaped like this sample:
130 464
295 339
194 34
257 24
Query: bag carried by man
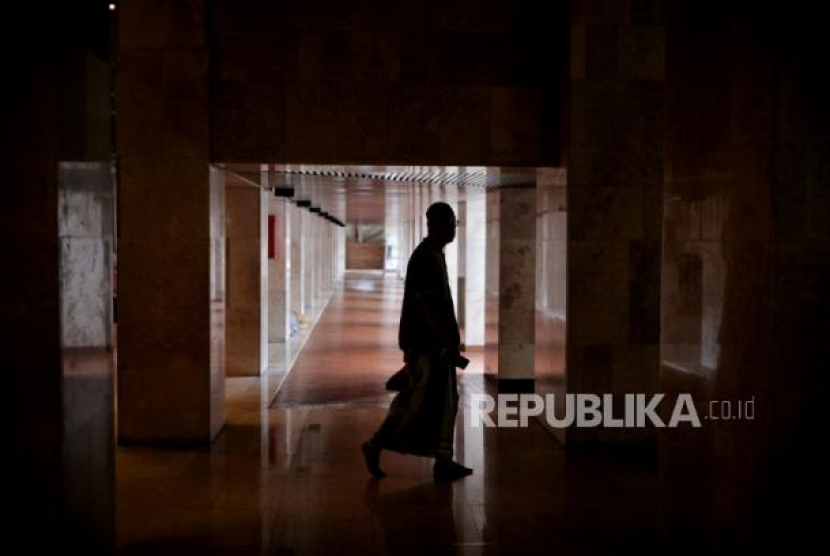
400 378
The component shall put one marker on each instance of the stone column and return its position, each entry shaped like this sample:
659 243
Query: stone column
330 262
475 227
86 228
245 302
57 224
319 278
551 272
406 248
314 264
512 288
614 201
461 251
341 250
491 284
171 295
327 261
327 255
322 261
296 258
450 196
745 268
264 280
307 254
279 279
392 230
336 256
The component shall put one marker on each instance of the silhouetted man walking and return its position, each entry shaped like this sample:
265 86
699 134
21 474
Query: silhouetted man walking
421 419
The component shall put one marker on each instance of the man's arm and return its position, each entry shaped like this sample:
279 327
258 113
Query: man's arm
426 285
432 315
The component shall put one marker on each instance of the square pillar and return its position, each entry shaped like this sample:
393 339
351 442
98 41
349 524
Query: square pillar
551 272
57 223
614 209
511 288
295 249
307 265
171 232
247 277
449 195
279 279
475 228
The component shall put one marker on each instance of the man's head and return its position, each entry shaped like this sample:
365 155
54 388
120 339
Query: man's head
441 223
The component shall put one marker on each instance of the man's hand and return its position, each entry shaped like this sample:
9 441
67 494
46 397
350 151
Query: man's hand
450 354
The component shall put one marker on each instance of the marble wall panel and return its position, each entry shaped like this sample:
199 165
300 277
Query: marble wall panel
551 272
744 252
614 214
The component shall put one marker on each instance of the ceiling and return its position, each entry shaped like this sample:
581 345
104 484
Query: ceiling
368 194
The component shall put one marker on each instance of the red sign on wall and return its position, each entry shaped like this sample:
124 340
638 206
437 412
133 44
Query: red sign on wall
272 240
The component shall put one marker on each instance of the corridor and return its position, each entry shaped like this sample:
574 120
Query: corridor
287 477
209 207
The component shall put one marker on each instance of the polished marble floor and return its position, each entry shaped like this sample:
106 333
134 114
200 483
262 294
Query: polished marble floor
286 476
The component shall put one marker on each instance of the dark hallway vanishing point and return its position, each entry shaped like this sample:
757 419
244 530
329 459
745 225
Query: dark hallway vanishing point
208 210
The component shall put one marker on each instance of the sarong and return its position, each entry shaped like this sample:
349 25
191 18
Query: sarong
421 419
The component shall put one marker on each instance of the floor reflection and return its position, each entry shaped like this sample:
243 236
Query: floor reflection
290 479
414 520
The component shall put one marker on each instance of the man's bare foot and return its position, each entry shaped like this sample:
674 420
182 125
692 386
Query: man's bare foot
446 469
